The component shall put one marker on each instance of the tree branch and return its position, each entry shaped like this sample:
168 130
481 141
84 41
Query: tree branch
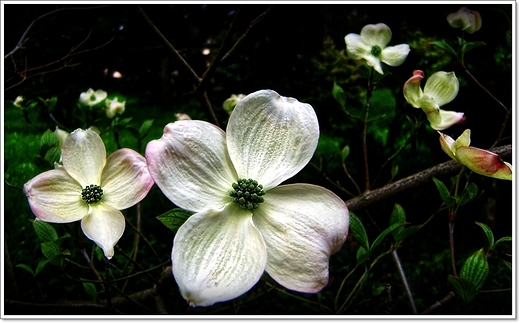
387 191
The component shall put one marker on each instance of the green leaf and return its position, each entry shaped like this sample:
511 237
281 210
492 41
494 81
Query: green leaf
42 163
362 256
503 239
383 234
476 269
26 268
469 45
345 152
50 249
40 266
445 46
398 216
49 139
489 234
468 194
462 288
133 131
444 193
339 94
53 155
358 230
174 218
90 288
508 264
44 231
145 128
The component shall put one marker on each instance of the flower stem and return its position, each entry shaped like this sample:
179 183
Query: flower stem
365 125
405 281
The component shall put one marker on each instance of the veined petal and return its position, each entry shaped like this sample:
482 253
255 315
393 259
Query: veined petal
412 88
270 138
302 226
442 87
375 62
464 140
356 47
395 55
125 180
84 156
54 196
191 166
105 226
447 144
217 256
484 162
445 119
378 34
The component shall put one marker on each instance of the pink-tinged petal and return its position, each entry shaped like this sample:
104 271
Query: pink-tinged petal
447 144
356 47
270 138
302 226
412 88
442 87
191 166
105 226
484 162
217 256
395 55
54 196
125 180
378 34
84 156
445 119
466 19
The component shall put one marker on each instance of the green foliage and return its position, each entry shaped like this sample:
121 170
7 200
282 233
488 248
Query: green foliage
174 218
476 269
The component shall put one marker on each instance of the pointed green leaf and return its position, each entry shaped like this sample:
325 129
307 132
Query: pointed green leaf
469 45
53 155
50 250
174 218
444 46
362 256
444 193
40 266
345 152
358 230
488 233
383 234
468 194
503 239
339 94
398 216
476 269
90 288
44 231
26 268
145 128
49 139
462 288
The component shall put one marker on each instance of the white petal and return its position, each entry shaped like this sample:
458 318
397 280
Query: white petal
54 196
442 87
105 226
125 180
378 34
84 156
270 138
356 47
375 63
395 55
302 226
217 256
191 166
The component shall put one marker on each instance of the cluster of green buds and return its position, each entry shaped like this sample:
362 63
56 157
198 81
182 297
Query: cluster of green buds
247 193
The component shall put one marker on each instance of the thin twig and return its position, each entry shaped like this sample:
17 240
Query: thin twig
439 304
405 281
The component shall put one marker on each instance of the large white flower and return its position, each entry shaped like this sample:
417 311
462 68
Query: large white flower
371 45
91 188
244 222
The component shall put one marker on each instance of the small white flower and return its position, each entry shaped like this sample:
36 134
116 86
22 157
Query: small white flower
91 188
245 222
91 97
114 107
371 46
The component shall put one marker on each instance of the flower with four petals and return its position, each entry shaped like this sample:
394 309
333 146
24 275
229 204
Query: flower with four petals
91 97
371 45
440 89
91 188
480 161
114 107
245 222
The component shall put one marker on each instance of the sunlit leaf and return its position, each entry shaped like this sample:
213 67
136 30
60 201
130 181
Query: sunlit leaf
476 269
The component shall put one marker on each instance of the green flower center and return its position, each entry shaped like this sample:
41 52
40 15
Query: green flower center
376 50
247 193
92 194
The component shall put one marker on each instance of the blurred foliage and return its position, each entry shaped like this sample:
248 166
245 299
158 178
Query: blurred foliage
298 51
